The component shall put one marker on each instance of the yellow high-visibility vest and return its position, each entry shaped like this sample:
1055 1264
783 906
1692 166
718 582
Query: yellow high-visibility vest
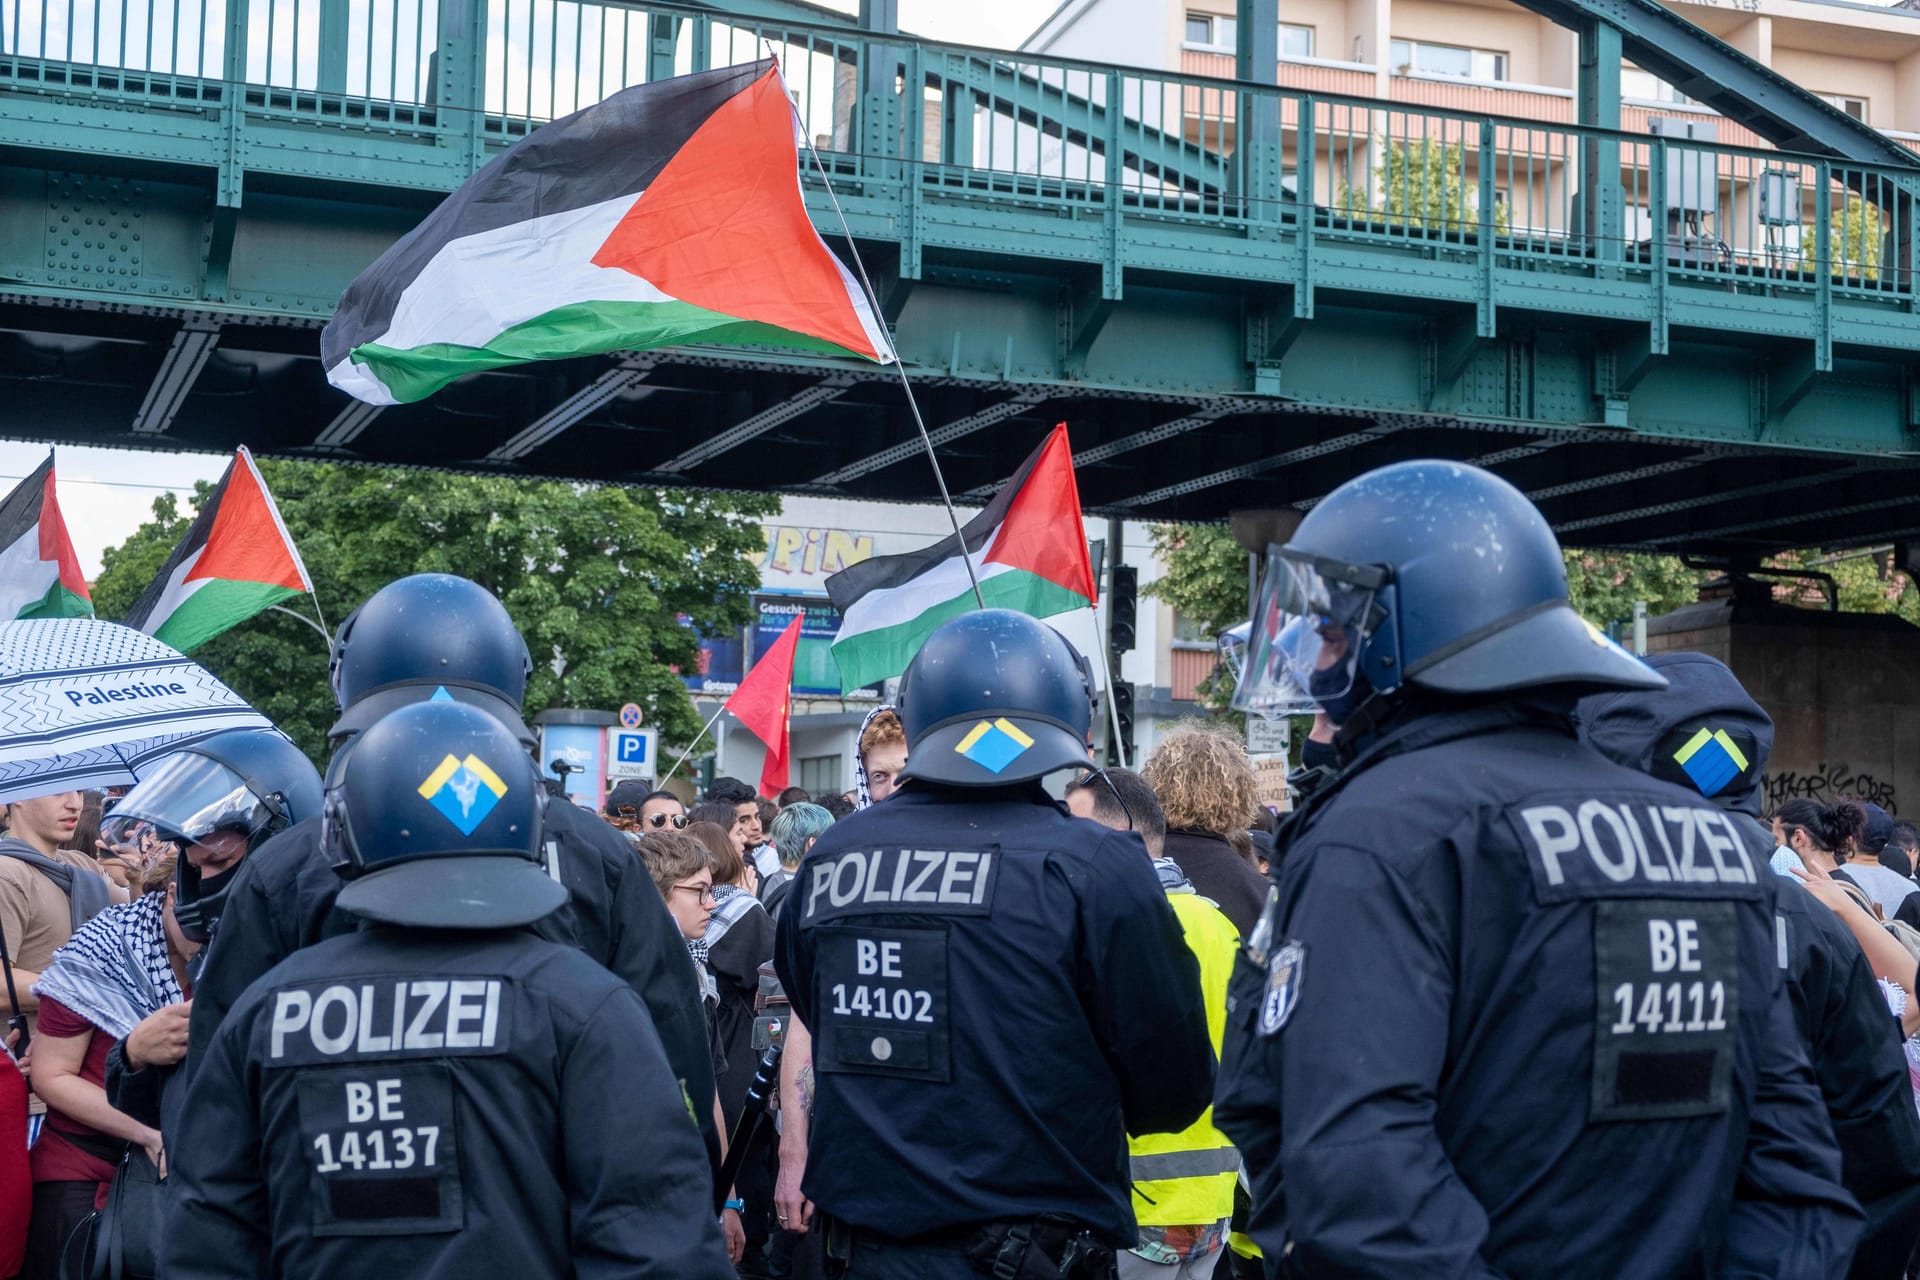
1187 1178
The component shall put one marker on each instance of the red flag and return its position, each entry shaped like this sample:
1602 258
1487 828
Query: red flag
763 702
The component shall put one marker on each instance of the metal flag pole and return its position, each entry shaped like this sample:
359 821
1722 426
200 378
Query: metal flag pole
697 739
900 366
1113 710
317 626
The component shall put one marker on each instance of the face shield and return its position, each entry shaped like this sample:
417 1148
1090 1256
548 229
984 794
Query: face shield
1310 621
183 800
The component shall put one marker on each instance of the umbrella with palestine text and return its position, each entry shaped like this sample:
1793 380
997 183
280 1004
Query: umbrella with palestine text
86 703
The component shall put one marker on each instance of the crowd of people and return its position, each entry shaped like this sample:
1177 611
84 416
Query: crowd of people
268 1022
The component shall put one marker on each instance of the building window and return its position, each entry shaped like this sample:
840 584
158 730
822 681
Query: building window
820 775
1295 41
1213 30
1406 56
1855 107
1644 86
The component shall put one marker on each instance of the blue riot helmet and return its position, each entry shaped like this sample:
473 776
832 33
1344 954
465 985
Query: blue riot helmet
434 815
994 697
215 802
432 635
1432 574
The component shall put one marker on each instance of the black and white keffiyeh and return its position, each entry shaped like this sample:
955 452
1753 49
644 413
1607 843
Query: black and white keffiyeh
114 971
862 798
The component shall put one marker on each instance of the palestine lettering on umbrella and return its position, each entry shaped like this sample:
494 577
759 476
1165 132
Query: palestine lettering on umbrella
127 693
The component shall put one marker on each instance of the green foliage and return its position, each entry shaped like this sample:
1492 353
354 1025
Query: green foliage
1867 582
595 577
1604 584
1425 186
1206 574
1855 247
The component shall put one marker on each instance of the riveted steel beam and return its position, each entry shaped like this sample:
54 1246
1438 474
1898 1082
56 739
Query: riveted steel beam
347 425
1795 517
186 356
1253 470
1011 407
630 372
805 400
1708 499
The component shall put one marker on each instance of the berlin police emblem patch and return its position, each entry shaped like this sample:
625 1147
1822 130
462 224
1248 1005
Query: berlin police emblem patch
1283 987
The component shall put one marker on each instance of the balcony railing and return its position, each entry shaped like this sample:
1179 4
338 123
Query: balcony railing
893 115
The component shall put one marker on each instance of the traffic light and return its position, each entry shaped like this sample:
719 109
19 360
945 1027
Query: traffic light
1122 695
1123 609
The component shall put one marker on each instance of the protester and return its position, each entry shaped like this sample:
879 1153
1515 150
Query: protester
881 753
1183 1182
794 830
790 797
739 828
840 807
46 892
124 968
1814 837
1887 886
1204 782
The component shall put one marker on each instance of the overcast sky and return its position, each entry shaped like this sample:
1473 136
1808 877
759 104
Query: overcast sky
107 493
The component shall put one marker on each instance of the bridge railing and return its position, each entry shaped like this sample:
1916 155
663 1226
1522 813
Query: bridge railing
892 114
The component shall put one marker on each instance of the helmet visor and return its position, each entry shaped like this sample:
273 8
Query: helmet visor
185 798
1303 643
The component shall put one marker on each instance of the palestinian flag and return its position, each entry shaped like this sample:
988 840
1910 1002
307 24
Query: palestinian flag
39 574
668 213
235 561
1029 550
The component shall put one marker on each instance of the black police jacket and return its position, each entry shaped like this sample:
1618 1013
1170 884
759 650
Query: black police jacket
1517 1011
282 899
998 993
439 1104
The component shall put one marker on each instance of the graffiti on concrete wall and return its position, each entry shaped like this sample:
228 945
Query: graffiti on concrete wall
1826 784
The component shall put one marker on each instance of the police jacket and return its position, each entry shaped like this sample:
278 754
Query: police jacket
421 1104
282 897
1517 1012
998 993
1851 1040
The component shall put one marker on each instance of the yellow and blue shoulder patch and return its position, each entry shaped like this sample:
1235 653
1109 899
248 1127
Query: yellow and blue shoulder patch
464 791
994 744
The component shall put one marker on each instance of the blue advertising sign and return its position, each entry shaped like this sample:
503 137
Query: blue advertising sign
814 670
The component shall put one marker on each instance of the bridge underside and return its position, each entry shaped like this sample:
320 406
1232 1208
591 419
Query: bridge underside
81 372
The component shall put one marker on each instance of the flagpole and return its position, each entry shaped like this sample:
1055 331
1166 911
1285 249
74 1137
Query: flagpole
1113 711
900 366
697 738
274 608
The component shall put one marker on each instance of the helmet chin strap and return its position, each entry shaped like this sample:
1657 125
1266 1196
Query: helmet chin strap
1367 719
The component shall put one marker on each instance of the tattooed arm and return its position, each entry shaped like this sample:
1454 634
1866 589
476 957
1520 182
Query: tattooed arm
794 1212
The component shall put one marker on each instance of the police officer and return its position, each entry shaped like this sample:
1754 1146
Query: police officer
216 801
997 992
442 1092
1512 1009
1705 733
443 637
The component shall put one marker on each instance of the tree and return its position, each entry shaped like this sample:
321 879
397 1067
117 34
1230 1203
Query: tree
1604 584
1425 186
1854 249
598 579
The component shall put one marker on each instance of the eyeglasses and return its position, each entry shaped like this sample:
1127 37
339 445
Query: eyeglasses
701 892
1105 781
659 820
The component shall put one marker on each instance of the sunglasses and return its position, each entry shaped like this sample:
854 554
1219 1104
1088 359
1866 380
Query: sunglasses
659 820
1112 790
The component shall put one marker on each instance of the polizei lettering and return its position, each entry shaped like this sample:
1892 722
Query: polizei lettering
947 882
1592 848
134 692
385 1018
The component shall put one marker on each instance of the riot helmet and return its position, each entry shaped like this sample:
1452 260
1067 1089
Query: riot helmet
434 816
994 697
215 802
431 635
1436 575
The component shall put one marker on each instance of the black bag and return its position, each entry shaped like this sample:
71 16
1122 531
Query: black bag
125 1242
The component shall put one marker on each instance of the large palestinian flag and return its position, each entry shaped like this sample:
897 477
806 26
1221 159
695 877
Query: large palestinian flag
668 213
1029 550
39 574
235 561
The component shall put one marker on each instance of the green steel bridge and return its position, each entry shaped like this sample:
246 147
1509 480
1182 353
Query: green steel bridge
1235 294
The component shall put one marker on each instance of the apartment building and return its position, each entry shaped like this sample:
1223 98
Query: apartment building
1428 66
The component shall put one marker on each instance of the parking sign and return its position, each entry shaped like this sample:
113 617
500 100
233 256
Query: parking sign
630 753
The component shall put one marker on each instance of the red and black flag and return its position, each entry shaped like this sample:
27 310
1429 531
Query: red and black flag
668 213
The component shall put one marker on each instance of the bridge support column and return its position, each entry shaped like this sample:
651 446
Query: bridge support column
1257 60
335 29
880 105
1602 211
663 31
459 78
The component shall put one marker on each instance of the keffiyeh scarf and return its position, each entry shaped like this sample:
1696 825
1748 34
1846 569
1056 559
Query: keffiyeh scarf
862 799
114 971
